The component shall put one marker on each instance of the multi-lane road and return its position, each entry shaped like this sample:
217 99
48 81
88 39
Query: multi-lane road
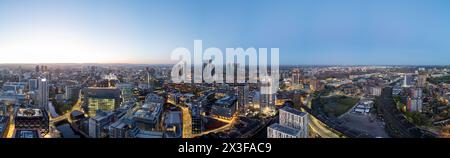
396 124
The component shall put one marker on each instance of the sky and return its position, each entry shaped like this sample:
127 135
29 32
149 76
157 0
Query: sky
307 32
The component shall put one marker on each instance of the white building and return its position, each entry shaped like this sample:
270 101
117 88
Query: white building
375 91
295 119
415 104
278 131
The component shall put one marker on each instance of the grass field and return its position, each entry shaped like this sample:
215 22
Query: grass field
335 106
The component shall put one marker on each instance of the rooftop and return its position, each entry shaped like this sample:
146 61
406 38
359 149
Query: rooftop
285 129
173 117
293 111
226 101
154 98
27 134
29 113
102 92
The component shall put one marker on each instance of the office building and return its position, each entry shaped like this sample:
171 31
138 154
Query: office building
4 123
98 125
224 108
126 90
28 134
120 128
139 133
197 121
32 119
72 93
148 116
32 84
42 99
3 110
173 124
243 95
101 98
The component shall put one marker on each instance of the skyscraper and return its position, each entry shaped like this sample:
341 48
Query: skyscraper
42 100
32 84
243 95
315 85
267 100
296 76
293 124
422 81
295 119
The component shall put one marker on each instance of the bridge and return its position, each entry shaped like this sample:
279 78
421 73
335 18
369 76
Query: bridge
66 116
55 120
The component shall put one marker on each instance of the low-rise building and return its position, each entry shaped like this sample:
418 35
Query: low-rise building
173 124
101 98
224 108
98 125
120 129
32 119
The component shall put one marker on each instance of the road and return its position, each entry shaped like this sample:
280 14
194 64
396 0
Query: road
11 127
187 122
320 128
396 123
223 128
76 106
316 125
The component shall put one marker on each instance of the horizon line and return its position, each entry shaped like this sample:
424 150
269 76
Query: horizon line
117 63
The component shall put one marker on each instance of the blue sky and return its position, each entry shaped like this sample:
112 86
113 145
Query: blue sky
306 31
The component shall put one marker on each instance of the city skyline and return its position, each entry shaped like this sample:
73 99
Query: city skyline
307 33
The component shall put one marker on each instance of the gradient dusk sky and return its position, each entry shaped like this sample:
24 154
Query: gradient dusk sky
345 32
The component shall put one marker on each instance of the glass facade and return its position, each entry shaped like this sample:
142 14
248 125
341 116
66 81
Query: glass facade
100 104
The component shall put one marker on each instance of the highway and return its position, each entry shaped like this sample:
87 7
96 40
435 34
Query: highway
320 129
316 125
396 124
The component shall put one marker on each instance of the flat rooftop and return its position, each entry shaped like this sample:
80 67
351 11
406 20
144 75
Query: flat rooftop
293 111
284 129
27 134
226 101
102 92
29 113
